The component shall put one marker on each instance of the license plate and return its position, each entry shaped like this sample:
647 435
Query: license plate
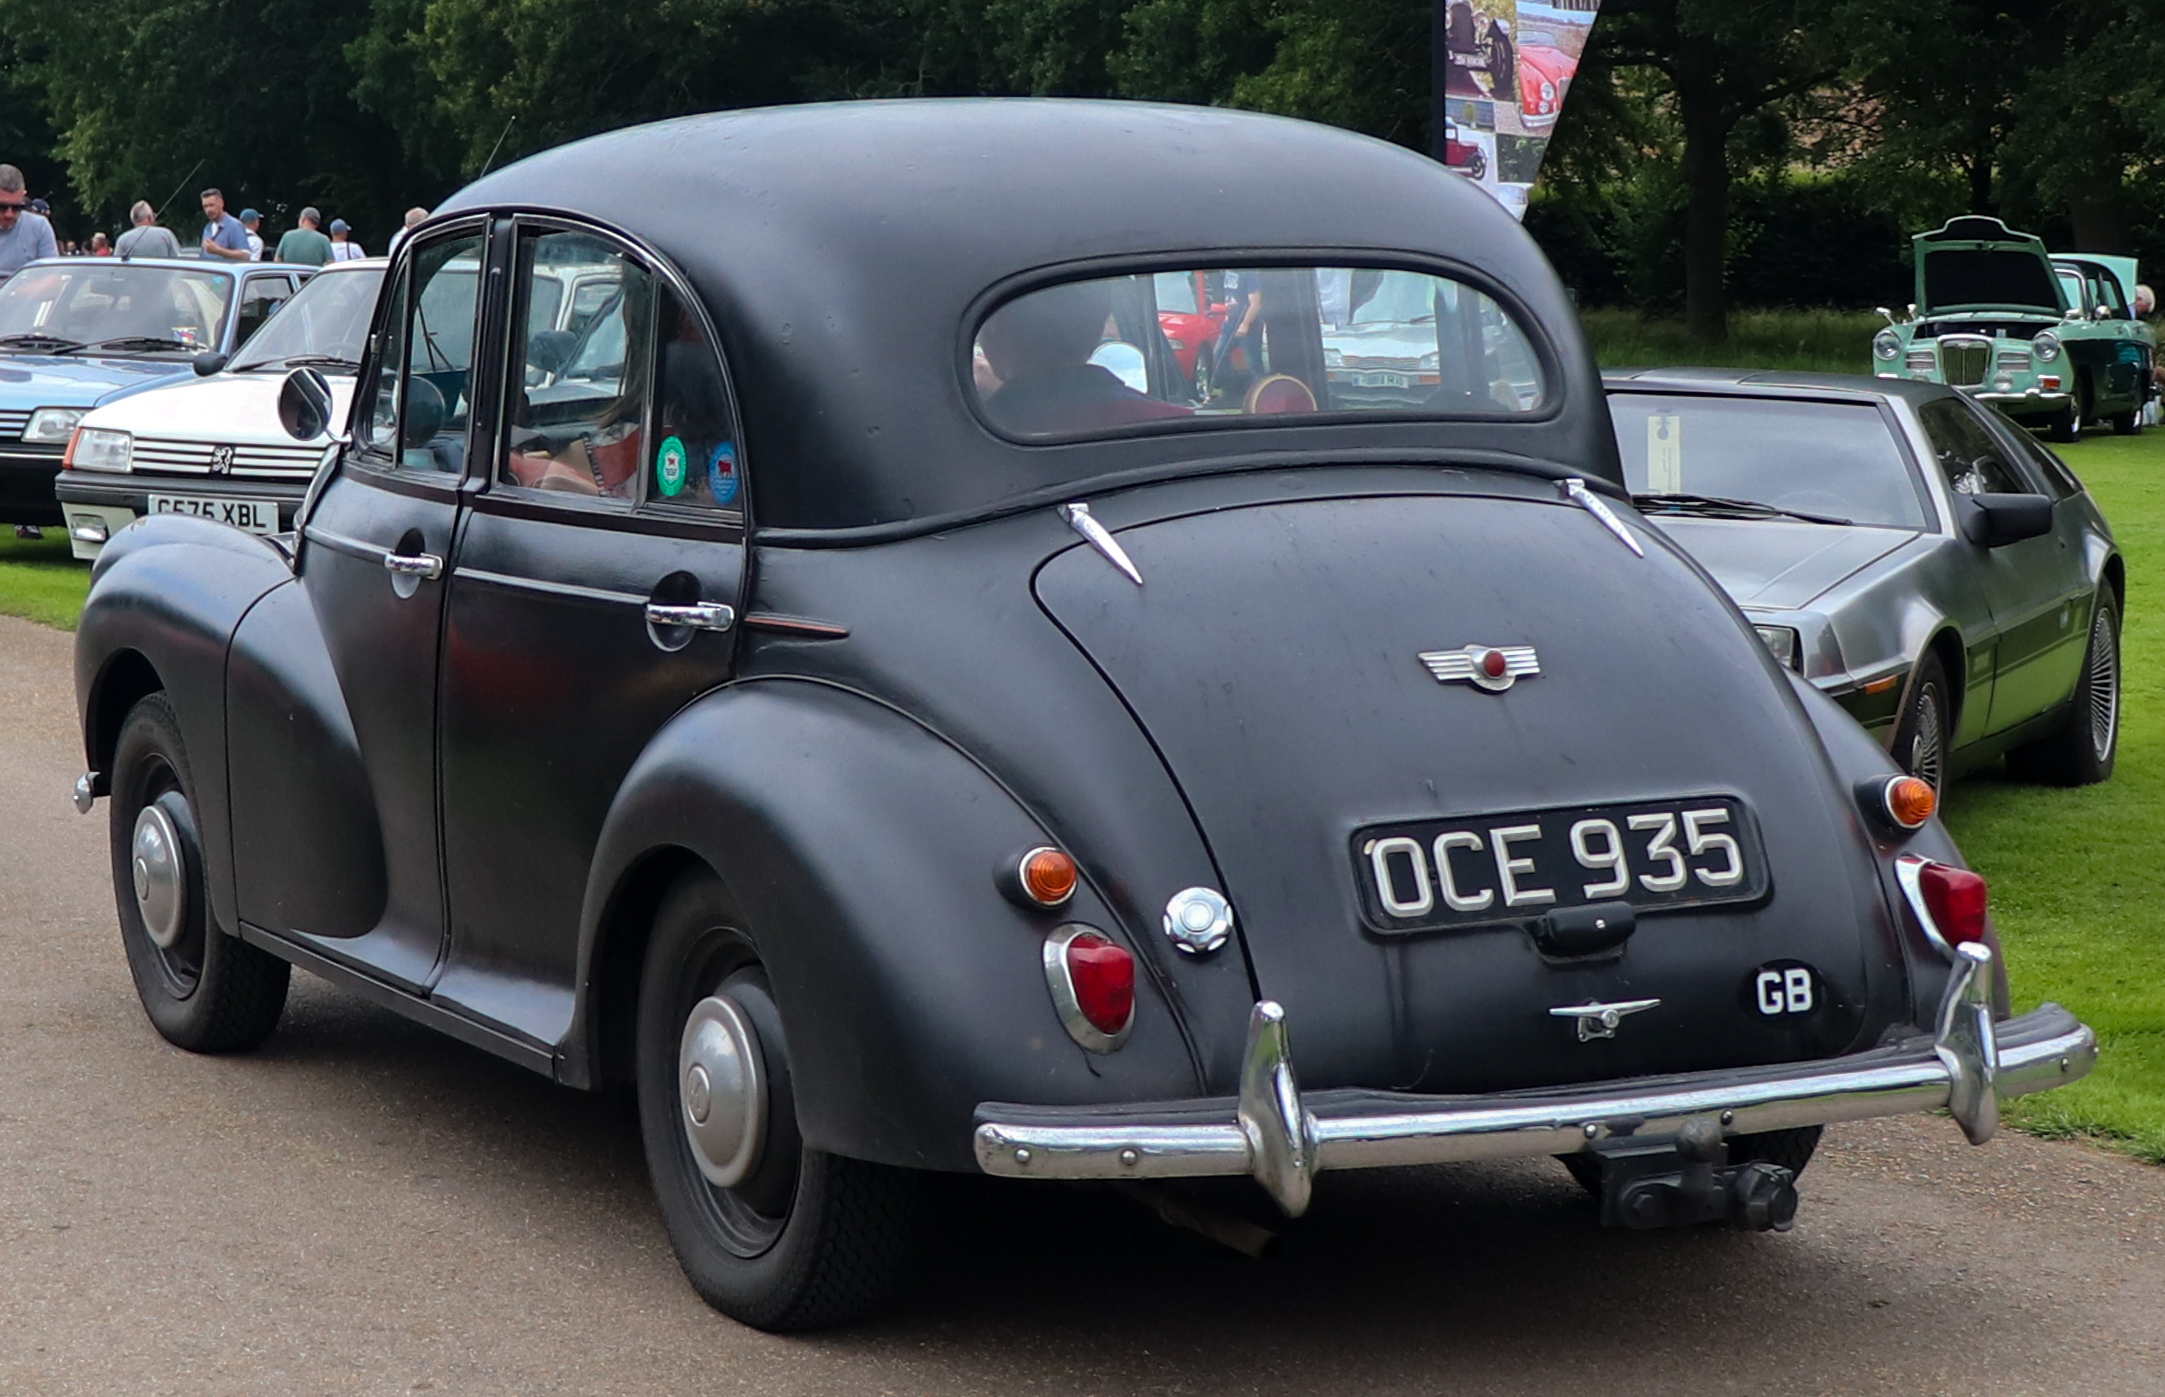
1382 380
253 516
1435 875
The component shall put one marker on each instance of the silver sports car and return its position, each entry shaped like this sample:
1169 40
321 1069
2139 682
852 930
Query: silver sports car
1918 558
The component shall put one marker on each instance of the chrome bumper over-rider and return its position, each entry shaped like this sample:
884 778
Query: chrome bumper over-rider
1968 1065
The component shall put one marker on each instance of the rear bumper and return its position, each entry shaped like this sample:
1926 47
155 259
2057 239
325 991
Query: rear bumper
1284 1138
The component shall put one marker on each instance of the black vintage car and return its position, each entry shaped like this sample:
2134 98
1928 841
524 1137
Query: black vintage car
851 692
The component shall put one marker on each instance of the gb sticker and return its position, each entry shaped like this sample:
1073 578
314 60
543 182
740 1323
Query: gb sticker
1783 989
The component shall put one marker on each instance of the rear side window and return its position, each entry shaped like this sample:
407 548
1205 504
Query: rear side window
1195 346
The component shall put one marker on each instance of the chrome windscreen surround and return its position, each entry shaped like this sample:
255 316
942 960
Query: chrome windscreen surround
1284 1138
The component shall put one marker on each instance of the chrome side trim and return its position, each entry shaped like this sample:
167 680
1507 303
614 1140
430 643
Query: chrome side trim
1081 521
554 589
1283 1139
1575 490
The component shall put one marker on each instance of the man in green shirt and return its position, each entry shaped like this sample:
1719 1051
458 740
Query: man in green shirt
305 244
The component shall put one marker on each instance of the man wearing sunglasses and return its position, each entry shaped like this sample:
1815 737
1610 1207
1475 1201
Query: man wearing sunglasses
24 236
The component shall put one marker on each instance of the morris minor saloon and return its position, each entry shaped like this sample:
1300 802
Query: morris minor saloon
1994 317
888 742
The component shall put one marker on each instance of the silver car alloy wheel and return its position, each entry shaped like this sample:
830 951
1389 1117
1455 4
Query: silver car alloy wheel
2104 677
1927 758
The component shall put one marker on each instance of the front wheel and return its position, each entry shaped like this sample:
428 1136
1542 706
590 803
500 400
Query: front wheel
1920 735
2066 427
2083 751
770 1232
203 990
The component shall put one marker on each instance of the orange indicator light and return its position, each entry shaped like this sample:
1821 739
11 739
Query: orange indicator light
1047 876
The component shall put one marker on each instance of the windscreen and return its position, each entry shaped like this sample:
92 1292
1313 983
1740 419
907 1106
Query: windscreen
1835 460
118 307
1190 347
324 326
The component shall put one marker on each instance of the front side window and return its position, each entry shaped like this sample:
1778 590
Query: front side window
1745 457
1968 456
261 296
578 414
118 307
1197 345
423 393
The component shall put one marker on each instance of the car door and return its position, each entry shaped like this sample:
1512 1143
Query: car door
593 595
261 296
2032 586
374 574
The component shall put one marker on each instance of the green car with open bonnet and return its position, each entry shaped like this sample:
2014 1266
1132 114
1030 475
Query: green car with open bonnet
1996 318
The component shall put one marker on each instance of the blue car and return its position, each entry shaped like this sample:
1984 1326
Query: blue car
79 331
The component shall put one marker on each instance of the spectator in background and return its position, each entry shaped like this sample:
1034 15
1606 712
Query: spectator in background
146 238
305 244
100 245
343 248
24 235
414 216
223 236
252 225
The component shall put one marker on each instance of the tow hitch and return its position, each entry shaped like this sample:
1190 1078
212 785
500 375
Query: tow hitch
1683 1185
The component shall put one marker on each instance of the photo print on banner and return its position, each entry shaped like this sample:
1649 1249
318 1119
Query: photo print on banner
1507 69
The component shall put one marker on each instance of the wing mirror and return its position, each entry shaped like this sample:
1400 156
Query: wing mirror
304 404
1124 362
208 362
550 350
1994 521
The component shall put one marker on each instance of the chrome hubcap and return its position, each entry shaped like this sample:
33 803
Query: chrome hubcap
722 1090
2104 687
161 879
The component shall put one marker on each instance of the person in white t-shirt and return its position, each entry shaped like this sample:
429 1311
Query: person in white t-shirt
343 248
253 222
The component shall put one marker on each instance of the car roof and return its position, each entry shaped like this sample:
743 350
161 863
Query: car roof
185 264
1772 383
841 247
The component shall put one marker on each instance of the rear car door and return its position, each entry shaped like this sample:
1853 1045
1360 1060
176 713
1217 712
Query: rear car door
594 594
372 575
2035 587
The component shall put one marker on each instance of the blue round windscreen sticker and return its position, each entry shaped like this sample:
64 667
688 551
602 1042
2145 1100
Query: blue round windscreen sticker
722 473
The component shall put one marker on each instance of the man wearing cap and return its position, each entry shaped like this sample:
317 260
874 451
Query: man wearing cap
343 249
24 235
252 224
305 244
223 236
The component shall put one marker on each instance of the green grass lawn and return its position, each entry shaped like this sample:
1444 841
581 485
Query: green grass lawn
2078 876
1824 341
39 580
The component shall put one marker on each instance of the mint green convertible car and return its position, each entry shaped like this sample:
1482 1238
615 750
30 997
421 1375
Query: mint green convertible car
2048 340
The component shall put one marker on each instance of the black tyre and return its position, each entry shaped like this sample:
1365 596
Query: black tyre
2083 751
2066 427
204 990
769 1232
2127 424
1927 722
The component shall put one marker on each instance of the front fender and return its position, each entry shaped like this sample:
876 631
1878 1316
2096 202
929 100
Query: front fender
861 849
165 599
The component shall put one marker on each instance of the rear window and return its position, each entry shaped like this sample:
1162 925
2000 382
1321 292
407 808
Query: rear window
1833 459
1194 347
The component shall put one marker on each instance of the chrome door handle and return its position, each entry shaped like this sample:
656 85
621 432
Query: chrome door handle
699 615
426 565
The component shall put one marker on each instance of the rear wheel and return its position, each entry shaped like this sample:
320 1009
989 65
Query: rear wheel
770 1232
2083 751
203 990
1920 736
2128 424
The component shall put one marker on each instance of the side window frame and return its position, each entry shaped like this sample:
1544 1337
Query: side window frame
393 322
636 512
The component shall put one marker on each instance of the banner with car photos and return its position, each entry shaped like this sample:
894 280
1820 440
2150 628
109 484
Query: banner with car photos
1507 67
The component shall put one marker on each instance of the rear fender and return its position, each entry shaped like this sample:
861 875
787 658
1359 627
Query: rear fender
862 851
1857 759
165 599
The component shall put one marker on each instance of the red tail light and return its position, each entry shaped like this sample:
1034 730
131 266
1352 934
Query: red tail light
1093 986
1949 900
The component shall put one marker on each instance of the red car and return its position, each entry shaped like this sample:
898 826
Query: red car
1461 154
1544 74
1188 317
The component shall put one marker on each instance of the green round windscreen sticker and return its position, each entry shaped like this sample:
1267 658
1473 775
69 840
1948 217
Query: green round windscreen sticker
669 466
